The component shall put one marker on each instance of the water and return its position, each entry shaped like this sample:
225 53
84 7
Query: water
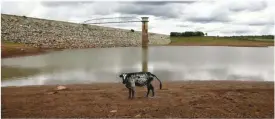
85 66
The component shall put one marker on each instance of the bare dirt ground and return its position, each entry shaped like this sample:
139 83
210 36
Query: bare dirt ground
205 99
14 50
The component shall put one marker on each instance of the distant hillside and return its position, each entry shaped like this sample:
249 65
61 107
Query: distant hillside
58 34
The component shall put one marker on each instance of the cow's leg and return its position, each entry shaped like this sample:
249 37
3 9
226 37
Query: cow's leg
132 86
133 93
152 89
130 92
148 90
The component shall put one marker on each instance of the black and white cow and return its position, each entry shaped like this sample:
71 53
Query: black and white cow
139 79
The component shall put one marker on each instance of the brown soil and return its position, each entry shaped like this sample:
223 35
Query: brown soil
205 99
233 44
15 50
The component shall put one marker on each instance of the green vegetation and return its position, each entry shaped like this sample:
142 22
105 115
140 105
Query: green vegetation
255 38
199 35
9 42
261 37
220 41
200 39
215 39
84 25
187 34
13 72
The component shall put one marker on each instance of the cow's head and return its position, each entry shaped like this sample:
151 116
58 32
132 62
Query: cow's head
123 76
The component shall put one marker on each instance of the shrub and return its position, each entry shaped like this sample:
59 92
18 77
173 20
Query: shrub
187 33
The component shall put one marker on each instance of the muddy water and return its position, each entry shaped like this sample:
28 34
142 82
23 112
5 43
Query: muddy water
86 66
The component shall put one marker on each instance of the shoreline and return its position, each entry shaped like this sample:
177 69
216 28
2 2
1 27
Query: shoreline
156 83
231 45
177 99
10 51
249 44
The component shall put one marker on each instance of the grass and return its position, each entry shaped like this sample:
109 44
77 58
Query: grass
10 49
220 41
260 39
13 72
12 46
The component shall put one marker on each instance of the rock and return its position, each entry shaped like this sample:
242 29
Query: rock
50 93
126 116
70 35
61 88
138 115
113 111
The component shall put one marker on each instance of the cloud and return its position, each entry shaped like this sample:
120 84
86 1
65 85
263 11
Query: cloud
267 29
158 9
19 8
212 18
216 17
255 18
251 5
237 31
209 12
64 3
261 23
158 3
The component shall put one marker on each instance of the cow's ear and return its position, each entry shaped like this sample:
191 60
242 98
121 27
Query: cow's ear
120 75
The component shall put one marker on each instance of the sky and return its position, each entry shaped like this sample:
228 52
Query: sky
214 17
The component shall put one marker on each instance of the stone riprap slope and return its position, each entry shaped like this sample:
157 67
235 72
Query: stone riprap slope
58 34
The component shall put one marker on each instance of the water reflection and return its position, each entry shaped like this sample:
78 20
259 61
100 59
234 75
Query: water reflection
168 63
145 59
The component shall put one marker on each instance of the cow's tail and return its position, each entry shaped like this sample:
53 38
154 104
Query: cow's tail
160 84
